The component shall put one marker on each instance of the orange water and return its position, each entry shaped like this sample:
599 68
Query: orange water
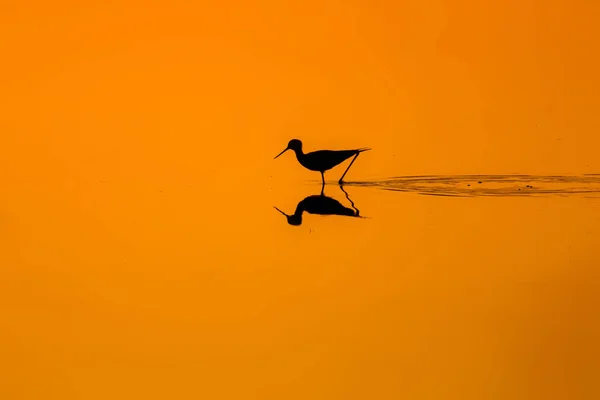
141 255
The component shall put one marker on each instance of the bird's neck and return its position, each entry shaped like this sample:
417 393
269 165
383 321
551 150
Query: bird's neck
299 210
299 153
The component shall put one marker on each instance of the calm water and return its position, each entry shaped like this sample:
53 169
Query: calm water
478 291
144 250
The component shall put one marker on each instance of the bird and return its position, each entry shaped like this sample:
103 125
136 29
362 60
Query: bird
322 160
320 205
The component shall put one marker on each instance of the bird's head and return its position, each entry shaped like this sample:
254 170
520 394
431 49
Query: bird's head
292 219
293 144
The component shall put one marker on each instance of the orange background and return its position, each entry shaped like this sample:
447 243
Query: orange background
140 254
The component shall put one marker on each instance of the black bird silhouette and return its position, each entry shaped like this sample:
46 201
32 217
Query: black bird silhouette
321 205
322 160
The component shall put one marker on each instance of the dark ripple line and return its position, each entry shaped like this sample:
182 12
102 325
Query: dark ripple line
449 185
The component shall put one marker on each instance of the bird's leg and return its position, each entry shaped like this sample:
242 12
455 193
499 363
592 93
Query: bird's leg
323 190
323 178
350 200
351 162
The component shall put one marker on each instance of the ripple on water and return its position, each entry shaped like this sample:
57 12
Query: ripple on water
489 185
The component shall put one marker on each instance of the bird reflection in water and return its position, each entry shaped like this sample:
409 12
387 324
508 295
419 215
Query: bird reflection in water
321 205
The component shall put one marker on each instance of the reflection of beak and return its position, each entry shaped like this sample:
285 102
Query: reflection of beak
286 149
280 211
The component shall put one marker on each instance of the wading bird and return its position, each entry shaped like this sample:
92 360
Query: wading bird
321 205
322 160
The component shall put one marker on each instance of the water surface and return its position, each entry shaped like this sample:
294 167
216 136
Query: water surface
485 296
142 253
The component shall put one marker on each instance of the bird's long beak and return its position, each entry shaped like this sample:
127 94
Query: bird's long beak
280 211
284 150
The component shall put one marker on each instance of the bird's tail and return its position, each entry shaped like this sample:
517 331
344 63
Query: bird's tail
363 149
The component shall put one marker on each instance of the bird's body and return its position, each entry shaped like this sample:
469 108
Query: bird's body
322 160
323 205
319 205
